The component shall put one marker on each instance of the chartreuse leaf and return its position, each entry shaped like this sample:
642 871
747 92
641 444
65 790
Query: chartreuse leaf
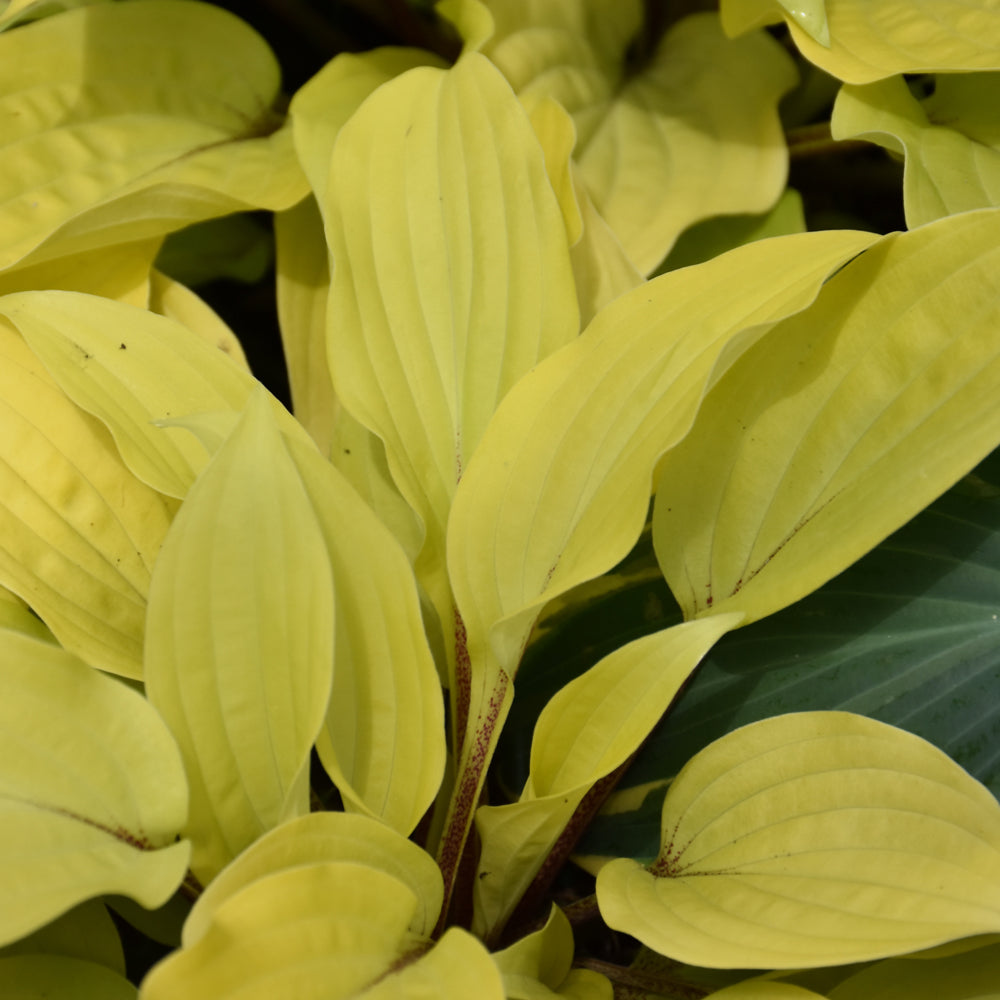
432 326
303 285
708 239
101 144
239 643
842 423
39 977
80 531
175 301
868 40
86 932
16 10
322 106
952 147
327 931
758 989
968 975
91 786
601 267
318 838
739 16
383 741
599 413
558 490
538 967
118 272
818 838
16 615
136 371
697 121
129 367
303 290
592 726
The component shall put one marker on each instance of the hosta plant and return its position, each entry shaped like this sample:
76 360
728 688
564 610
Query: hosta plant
621 526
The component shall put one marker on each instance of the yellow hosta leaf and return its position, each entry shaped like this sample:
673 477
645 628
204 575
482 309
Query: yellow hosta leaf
92 790
559 488
117 272
102 146
757 989
320 837
452 276
383 741
172 299
303 287
838 426
80 532
601 267
129 367
952 147
537 967
589 728
457 967
16 615
239 643
739 16
820 838
86 932
701 124
37 977
868 40
698 122
320 107
968 975
329 931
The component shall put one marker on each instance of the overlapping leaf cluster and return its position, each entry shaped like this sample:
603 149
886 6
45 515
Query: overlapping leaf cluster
198 589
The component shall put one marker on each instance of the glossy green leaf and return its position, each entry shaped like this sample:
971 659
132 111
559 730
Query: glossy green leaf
969 975
318 838
592 726
239 643
104 147
697 121
80 532
538 966
431 326
842 423
951 143
383 741
129 367
813 839
327 931
907 635
91 785
873 39
40 977
86 932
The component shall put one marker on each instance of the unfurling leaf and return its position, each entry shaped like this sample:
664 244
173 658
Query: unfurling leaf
813 839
